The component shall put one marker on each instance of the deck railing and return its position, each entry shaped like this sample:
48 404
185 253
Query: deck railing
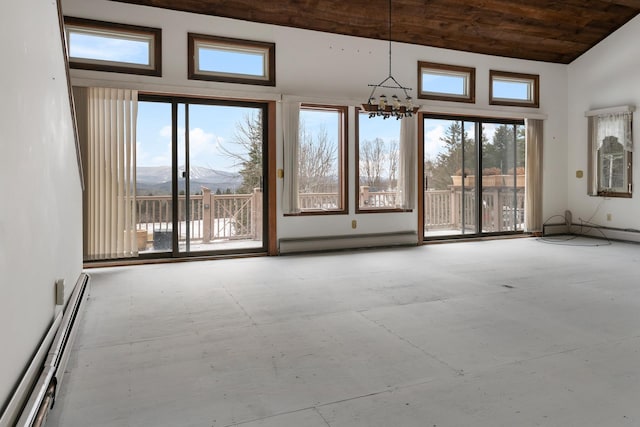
239 216
211 216
502 209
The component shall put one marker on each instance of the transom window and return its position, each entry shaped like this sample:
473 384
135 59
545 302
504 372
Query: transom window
107 46
231 60
514 89
446 82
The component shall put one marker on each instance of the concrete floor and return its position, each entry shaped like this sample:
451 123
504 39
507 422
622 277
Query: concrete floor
489 333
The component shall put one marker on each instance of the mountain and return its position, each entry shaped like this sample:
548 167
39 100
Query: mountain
157 179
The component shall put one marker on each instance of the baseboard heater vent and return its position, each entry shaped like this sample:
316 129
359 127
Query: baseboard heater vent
603 232
591 230
325 243
40 395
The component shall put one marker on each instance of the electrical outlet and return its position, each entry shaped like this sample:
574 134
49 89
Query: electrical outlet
354 224
608 217
60 292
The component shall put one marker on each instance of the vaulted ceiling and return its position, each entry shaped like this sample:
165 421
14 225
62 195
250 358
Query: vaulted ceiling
542 30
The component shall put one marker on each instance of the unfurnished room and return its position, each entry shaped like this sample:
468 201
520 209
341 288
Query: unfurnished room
319 213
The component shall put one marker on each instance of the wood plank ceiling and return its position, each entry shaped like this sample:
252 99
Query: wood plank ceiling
542 30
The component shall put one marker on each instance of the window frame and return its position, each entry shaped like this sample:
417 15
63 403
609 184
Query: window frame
445 69
343 161
125 31
364 210
533 80
269 54
594 171
478 154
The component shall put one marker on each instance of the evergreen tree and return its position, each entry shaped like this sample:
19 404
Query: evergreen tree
499 154
449 162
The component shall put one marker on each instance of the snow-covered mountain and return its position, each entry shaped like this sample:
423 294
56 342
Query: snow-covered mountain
157 179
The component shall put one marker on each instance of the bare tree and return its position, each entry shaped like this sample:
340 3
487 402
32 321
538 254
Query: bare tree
316 161
393 164
372 162
316 156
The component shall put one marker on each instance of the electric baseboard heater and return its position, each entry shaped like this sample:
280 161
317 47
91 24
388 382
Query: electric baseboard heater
31 402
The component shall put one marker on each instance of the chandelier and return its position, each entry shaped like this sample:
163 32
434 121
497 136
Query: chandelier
394 107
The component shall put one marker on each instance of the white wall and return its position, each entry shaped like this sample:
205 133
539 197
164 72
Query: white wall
606 76
40 211
325 67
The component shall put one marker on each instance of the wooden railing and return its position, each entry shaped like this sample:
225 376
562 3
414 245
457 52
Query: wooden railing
377 199
502 209
318 201
211 216
239 216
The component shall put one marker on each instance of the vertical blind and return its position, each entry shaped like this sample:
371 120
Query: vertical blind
407 177
533 176
111 186
291 143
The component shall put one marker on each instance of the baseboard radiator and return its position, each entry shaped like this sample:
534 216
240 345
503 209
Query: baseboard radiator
37 391
603 232
589 230
325 243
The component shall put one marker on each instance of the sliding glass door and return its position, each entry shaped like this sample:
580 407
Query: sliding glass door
200 169
473 176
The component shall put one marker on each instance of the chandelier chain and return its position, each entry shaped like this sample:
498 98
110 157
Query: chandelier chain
395 107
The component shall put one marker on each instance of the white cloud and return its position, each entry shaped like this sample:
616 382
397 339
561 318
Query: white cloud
147 158
432 142
489 129
165 131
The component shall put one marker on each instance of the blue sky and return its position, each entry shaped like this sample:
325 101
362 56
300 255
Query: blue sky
232 61
108 49
215 127
444 83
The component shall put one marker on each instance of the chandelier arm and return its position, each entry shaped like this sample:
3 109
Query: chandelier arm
404 89
393 107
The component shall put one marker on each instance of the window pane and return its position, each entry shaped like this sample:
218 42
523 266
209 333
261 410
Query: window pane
445 82
378 158
449 84
514 89
153 177
611 158
610 171
220 60
319 159
108 47
503 177
509 89
224 59
113 47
